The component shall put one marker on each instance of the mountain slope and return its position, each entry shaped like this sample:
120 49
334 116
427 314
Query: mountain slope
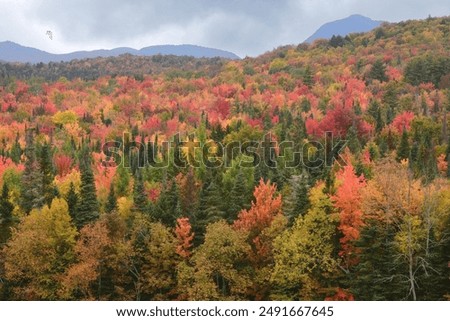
13 52
343 27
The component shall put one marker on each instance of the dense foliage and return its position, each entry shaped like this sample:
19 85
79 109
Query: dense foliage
342 191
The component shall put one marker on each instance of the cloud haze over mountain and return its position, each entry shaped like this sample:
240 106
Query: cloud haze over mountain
242 26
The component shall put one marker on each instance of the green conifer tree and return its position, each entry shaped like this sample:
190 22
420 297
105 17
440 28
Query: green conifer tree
403 150
238 196
308 77
6 207
6 216
88 207
111 204
376 277
301 199
167 207
139 196
32 192
122 181
16 151
378 71
72 199
353 141
48 175
209 210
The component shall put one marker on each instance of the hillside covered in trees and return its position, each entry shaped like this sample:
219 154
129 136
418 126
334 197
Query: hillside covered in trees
312 172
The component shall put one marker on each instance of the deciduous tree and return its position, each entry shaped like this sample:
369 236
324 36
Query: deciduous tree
347 200
305 259
184 236
40 251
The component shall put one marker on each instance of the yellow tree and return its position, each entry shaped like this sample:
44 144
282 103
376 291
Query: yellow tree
153 260
304 254
39 252
217 269
159 268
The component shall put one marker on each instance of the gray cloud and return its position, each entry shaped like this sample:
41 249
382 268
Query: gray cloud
242 26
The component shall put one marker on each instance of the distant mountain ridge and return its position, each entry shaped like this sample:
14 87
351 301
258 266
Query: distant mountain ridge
13 52
343 27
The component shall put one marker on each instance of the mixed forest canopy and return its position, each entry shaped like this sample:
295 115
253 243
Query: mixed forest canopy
78 224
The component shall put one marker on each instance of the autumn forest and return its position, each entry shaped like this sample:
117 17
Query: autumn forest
312 172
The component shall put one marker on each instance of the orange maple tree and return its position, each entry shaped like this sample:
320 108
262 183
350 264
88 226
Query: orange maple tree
347 200
263 210
184 234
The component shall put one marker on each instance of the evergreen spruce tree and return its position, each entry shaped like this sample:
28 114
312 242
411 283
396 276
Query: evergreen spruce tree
139 197
238 197
430 169
6 216
209 210
122 180
329 182
48 175
151 157
378 71
389 115
374 151
179 163
353 141
134 161
308 77
382 146
414 155
379 121
189 195
300 199
111 204
257 174
390 101
88 208
434 285
336 41
16 151
298 132
403 150
376 277
424 106
6 207
167 207
72 199
373 108
32 192
305 106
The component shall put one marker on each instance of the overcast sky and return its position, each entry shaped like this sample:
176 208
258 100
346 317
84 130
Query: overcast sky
245 27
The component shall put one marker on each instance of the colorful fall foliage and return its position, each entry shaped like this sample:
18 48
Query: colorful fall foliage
97 203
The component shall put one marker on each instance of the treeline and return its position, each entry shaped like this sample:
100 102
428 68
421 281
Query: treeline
123 65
